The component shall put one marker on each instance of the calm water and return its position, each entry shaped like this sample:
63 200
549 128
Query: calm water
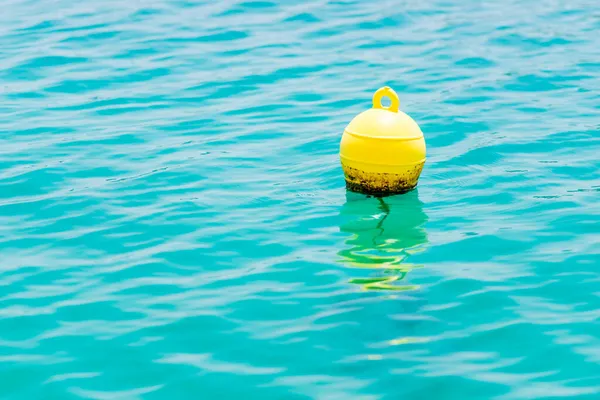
174 222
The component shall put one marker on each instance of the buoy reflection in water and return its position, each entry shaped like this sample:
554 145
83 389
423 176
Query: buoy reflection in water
384 233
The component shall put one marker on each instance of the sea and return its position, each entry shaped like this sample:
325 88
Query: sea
174 221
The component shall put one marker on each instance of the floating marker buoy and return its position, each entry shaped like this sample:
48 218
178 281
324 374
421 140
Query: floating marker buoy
382 150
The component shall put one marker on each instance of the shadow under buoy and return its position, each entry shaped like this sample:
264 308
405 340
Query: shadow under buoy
384 233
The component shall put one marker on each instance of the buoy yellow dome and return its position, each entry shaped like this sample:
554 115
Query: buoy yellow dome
382 150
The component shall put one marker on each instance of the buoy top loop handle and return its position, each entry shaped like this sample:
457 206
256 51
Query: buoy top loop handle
386 91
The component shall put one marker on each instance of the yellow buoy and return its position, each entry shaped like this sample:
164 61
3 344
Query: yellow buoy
382 150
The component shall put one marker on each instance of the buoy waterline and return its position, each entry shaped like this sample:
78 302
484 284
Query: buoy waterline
382 150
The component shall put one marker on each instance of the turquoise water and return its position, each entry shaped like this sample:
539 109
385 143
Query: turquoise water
174 222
